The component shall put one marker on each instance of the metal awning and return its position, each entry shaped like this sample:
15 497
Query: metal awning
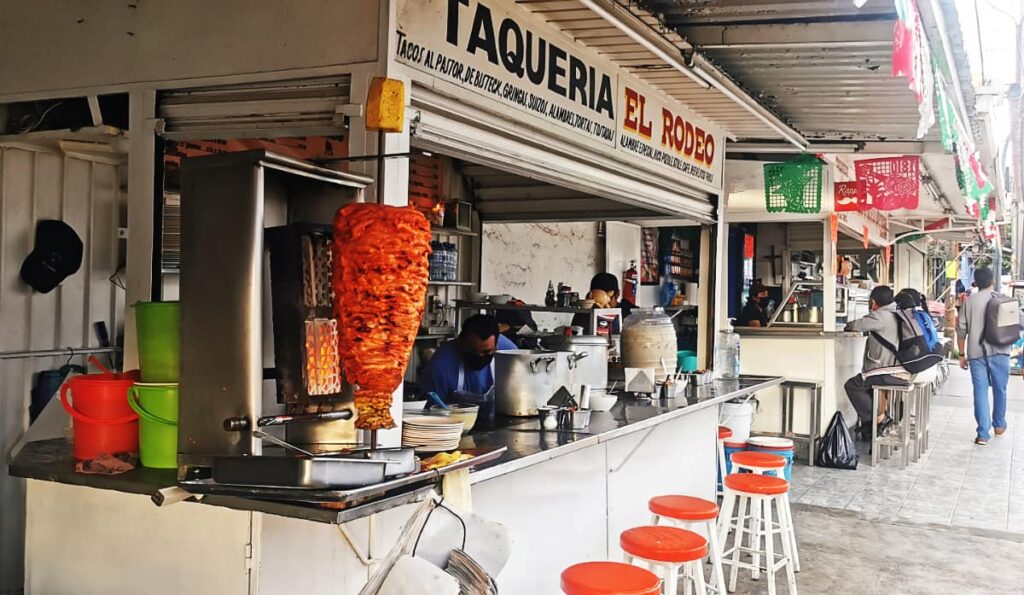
823 65
706 89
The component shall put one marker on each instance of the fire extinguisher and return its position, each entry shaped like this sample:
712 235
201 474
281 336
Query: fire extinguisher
630 282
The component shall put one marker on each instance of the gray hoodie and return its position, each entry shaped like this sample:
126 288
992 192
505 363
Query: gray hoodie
884 322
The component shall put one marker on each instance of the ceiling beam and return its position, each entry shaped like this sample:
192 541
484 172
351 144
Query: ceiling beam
765 36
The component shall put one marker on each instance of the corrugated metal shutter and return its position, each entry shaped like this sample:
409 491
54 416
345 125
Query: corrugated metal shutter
300 107
86 195
459 130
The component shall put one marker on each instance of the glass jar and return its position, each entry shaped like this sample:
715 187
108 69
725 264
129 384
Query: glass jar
649 341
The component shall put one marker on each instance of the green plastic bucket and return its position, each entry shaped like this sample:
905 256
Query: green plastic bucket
157 406
159 339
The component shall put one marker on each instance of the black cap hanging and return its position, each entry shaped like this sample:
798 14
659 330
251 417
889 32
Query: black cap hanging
56 255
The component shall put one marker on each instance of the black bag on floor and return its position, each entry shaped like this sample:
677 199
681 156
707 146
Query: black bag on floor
837 449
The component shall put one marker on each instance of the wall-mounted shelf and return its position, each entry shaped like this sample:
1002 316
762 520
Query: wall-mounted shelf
446 231
452 283
433 337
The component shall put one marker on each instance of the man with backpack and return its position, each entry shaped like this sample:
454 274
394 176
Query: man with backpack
881 367
987 325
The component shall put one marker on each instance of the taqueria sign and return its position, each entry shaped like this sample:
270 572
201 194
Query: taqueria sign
509 56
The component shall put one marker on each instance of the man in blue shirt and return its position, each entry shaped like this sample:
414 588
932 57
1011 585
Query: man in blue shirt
467 363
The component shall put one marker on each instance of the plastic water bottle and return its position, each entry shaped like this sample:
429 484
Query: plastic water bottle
727 355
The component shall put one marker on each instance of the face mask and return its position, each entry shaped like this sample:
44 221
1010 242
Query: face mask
476 361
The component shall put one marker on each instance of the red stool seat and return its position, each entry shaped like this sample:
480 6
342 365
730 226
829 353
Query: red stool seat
664 544
758 459
724 432
609 578
759 485
683 508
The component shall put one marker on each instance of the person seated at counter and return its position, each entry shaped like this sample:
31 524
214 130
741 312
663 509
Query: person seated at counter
604 290
755 312
467 363
880 367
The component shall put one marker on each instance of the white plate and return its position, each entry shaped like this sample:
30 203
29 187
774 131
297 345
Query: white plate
430 420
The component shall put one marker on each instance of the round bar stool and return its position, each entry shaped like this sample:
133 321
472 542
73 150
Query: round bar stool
609 578
687 511
763 493
763 463
671 549
724 433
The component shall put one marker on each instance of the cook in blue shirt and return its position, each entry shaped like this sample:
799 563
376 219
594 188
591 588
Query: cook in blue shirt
467 363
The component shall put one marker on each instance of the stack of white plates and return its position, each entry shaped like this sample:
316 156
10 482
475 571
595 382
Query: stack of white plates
428 433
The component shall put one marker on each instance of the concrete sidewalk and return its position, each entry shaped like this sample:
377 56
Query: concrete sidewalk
956 483
843 553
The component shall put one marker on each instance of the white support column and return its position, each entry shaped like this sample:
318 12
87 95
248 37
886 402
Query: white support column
720 315
828 284
141 172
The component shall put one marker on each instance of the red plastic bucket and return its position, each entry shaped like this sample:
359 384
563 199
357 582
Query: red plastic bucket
104 422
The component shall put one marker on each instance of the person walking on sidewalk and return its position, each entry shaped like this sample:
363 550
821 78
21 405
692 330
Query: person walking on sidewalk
989 364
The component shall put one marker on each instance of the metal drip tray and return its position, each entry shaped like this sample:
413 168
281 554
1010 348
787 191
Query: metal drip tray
317 473
294 493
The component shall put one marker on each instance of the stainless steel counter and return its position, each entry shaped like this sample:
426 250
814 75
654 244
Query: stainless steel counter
526 443
793 332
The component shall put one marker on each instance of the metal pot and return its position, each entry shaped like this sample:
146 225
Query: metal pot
590 369
525 379
811 314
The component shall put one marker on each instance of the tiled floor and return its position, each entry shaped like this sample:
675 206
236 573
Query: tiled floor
956 483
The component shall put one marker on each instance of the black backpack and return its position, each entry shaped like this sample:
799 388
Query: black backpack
1002 321
912 351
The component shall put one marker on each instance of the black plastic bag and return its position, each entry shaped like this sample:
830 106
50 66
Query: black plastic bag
837 449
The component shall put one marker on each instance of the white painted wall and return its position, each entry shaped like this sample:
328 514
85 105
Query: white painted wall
89 197
520 259
85 541
139 42
910 268
573 508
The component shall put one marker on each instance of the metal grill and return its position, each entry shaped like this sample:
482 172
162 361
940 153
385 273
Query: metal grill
317 259
323 368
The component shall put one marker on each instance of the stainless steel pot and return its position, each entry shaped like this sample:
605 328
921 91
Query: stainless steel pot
591 368
811 314
525 379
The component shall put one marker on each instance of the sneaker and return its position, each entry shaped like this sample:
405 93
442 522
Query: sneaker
885 425
1000 431
981 441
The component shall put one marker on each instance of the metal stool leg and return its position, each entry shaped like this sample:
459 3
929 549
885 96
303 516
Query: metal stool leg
875 449
769 542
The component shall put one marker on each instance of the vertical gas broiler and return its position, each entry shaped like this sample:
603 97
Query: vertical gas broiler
259 335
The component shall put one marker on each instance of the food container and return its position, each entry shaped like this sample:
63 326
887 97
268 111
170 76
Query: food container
591 369
649 341
500 300
573 419
602 402
397 461
467 413
524 379
298 472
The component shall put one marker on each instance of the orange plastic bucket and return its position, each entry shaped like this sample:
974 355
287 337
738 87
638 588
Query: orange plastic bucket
104 422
